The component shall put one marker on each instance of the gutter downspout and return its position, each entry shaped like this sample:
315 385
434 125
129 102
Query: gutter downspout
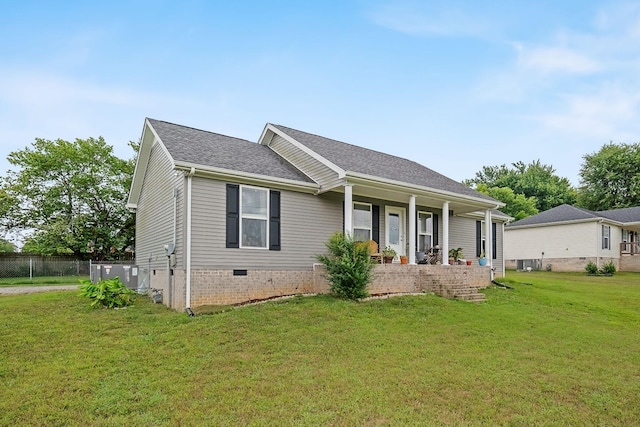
188 244
504 269
488 242
599 238
175 214
169 264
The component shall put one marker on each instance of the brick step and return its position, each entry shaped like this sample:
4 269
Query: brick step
472 297
462 291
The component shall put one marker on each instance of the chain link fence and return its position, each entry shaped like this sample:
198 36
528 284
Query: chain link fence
26 265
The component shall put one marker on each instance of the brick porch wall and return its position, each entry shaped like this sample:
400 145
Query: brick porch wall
397 278
630 263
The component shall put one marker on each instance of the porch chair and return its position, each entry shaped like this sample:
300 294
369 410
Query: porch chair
373 250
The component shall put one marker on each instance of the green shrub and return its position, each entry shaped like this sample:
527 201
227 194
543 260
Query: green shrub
348 265
109 293
591 268
608 268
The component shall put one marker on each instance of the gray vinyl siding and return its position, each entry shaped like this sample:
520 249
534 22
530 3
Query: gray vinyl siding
312 167
306 221
154 214
462 234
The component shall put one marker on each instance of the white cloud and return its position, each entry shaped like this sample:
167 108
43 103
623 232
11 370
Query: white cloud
555 59
44 91
49 106
576 84
610 114
418 18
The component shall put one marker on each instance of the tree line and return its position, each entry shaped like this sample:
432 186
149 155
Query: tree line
70 197
609 179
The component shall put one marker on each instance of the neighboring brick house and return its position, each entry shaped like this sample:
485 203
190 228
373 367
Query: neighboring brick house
221 220
566 238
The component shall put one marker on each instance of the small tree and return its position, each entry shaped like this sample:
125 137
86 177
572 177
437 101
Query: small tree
348 265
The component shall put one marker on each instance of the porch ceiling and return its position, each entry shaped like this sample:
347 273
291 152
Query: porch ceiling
456 203
634 226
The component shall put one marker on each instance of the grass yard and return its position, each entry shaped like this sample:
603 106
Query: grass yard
42 281
562 350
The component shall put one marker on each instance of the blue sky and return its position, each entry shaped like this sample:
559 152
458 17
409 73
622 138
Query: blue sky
454 85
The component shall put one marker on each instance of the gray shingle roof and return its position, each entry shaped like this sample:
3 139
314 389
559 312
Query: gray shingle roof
558 214
353 158
565 212
204 148
622 215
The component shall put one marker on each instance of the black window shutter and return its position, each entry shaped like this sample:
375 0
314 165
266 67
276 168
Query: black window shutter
478 238
435 229
233 216
417 226
274 220
342 231
494 238
375 224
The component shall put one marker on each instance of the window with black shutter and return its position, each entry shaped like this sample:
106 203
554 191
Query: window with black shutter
253 217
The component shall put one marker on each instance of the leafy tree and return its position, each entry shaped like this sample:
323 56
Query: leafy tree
533 180
517 205
6 246
610 178
73 195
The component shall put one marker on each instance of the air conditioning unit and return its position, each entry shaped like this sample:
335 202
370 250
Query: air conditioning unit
529 264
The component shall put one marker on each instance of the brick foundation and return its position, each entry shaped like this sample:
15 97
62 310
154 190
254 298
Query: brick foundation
222 287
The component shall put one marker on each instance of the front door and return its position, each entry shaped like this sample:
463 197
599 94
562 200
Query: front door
395 229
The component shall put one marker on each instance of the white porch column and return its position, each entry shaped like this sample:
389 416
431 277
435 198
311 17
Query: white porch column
488 242
444 248
348 210
412 229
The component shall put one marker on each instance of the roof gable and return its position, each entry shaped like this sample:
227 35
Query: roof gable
198 147
352 158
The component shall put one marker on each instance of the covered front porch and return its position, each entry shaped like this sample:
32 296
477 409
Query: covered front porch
415 220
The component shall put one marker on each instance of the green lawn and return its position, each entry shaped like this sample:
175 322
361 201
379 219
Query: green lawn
563 349
42 281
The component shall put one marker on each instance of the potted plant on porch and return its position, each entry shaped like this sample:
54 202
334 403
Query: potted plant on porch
455 254
482 260
404 259
388 254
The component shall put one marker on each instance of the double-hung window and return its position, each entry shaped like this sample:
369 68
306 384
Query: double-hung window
362 221
606 240
254 210
425 231
252 217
